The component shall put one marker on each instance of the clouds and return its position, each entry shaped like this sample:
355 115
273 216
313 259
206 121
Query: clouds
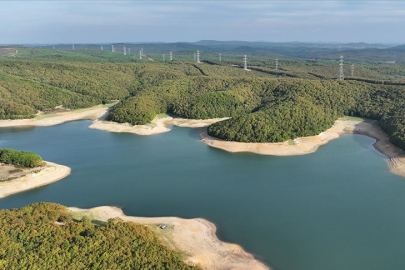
137 21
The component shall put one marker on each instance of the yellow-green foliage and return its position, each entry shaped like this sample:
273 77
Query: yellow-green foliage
266 105
44 236
20 158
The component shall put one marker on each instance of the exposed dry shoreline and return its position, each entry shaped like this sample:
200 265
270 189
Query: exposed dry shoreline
157 126
51 173
307 145
92 113
298 146
99 113
195 237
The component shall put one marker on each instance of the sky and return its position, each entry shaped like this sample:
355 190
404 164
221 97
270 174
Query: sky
52 22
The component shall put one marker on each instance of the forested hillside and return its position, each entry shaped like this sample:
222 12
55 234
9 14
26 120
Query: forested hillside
301 98
45 236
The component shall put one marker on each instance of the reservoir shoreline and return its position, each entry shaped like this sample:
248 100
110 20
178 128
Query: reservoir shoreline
308 145
194 237
298 146
292 143
51 173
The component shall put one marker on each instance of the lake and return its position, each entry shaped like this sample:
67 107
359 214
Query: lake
339 208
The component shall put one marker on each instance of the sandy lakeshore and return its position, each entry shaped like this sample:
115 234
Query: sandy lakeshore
307 145
99 113
51 173
195 237
157 126
92 113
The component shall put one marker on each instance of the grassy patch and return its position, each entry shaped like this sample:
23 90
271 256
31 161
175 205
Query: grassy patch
43 116
79 216
291 142
162 115
15 170
352 118
165 235
10 178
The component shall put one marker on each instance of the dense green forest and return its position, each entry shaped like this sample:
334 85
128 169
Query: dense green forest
20 158
45 236
301 98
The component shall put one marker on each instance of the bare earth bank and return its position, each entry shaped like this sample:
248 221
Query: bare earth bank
157 126
194 237
59 118
99 113
51 173
307 145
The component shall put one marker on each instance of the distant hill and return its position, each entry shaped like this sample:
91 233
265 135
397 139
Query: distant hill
400 48
360 51
364 45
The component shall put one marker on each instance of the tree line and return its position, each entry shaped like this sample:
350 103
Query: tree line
20 158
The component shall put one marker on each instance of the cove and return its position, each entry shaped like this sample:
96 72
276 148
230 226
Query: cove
339 208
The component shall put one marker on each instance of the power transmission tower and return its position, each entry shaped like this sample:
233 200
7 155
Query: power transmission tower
198 57
140 54
53 47
245 62
276 63
101 47
352 70
171 56
341 77
125 51
73 46
220 57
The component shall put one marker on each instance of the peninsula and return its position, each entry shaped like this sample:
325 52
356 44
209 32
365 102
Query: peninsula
194 237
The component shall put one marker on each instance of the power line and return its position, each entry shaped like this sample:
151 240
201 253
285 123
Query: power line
341 76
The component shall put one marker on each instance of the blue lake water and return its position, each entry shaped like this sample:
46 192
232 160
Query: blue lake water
339 208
